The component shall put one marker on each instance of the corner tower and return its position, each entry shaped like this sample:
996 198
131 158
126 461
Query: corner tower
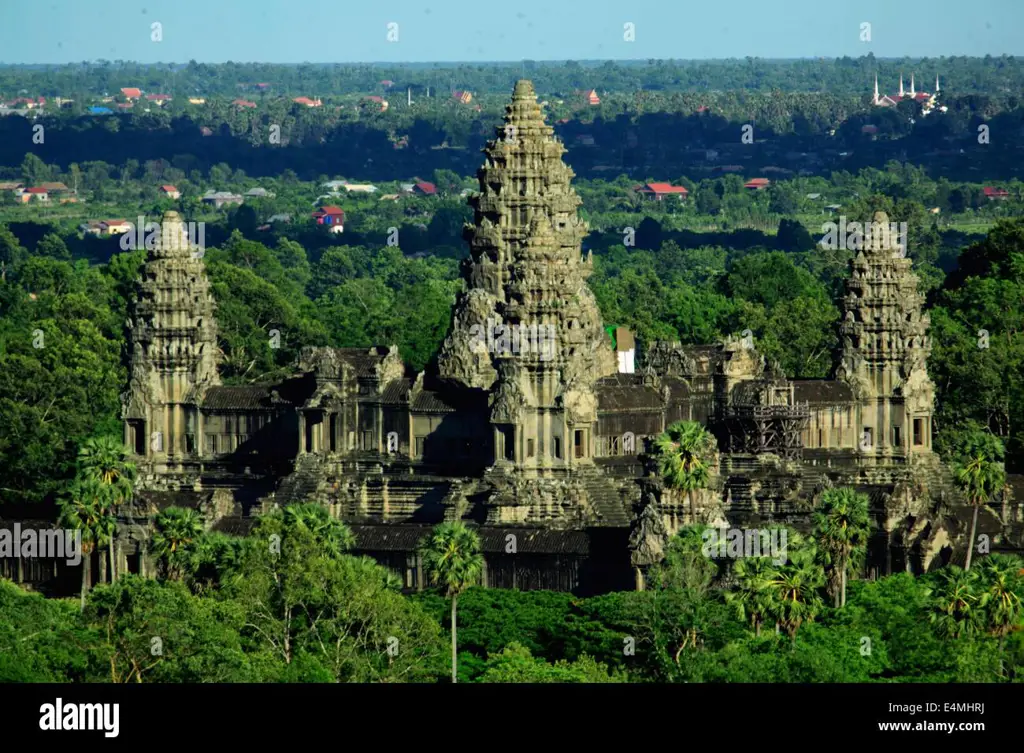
172 347
528 327
885 350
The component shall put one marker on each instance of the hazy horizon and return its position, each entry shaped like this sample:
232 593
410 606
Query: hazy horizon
58 32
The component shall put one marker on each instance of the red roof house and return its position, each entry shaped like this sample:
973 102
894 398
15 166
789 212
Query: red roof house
592 98
158 97
757 184
132 93
658 191
331 217
40 194
307 102
995 193
243 103
424 188
170 192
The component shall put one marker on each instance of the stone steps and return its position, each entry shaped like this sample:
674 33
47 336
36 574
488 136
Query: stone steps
606 499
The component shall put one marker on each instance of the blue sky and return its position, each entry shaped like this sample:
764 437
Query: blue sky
328 31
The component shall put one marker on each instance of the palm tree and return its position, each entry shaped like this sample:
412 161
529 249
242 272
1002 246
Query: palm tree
841 527
979 472
753 595
317 520
175 540
795 585
1002 585
955 609
686 455
85 510
102 459
452 560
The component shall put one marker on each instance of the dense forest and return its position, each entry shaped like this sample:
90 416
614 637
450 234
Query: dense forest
222 610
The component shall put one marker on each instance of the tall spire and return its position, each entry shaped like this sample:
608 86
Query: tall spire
874 100
936 83
886 344
901 85
172 346
912 92
526 278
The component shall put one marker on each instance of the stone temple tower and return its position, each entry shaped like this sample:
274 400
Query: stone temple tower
885 350
528 328
172 346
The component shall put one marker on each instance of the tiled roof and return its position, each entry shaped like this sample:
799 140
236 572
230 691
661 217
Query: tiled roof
821 391
663 188
433 402
242 397
620 392
396 391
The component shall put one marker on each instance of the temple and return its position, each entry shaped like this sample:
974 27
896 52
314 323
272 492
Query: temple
530 428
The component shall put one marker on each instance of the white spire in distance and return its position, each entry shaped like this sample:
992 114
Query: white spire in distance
901 85
912 92
874 101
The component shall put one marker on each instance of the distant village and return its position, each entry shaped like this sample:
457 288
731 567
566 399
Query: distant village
331 216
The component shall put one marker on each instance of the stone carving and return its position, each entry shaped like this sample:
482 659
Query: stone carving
648 538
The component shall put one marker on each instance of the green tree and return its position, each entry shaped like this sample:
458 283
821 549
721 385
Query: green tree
103 460
841 527
796 585
1002 590
53 246
85 508
515 664
175 541
686 454
314 613
955 603
158 631
452 561
753 594
978 469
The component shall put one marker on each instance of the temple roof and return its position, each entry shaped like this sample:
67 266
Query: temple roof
821 391
627 392
267 396
396 391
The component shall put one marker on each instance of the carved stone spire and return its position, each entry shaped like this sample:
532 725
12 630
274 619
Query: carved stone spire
526 264
886 343
172 343
527 298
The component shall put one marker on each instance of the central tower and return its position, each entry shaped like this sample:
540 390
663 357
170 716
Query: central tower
528 327
885 349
